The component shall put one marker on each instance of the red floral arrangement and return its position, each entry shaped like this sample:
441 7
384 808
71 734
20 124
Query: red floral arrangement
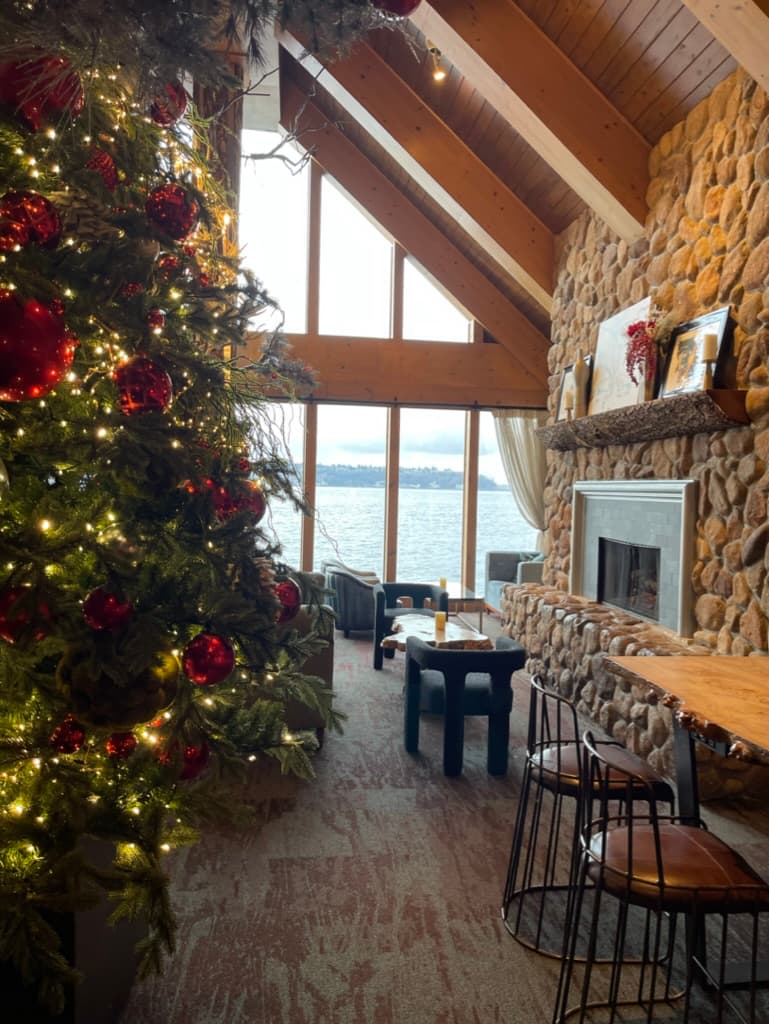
647 342
641 351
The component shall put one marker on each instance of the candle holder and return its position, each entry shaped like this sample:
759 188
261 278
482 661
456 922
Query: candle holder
708 359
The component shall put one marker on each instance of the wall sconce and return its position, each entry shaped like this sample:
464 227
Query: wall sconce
439 72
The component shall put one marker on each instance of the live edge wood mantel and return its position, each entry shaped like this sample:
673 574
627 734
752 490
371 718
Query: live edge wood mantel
692 413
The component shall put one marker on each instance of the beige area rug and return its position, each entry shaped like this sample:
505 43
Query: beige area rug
368 896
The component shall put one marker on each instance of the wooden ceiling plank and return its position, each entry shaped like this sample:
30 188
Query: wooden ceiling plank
578 24
742 27
566 120
425 373
703 89
617 38
592 38
398 119
410 228
636 44
653 69
678 64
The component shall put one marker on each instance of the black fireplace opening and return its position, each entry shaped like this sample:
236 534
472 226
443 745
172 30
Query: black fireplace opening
628 576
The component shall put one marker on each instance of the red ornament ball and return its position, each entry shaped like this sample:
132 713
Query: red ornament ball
41 90
120 745
156 320
36 213
19 610
171 209
169 265
194 760
101 162
400 8
253 500
68 737
132 288
208 659
104 610
36 350
144 387
169 105
13 235
290 597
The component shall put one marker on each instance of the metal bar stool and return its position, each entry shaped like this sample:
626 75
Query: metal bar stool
665 867
543 861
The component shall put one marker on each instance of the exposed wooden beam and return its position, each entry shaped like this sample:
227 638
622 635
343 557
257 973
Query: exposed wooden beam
525 345
742 27
440 163
423 373
548 101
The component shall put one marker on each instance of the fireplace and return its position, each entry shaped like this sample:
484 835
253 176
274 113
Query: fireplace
628 577
654 521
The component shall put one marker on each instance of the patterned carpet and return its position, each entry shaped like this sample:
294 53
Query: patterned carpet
367 896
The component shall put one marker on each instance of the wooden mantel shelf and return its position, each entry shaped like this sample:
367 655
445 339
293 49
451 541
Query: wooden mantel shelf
695 412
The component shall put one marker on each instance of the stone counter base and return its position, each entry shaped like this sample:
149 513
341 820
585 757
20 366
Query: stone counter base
568 639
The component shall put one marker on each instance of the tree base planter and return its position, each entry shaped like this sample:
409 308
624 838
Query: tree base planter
105 956
103 953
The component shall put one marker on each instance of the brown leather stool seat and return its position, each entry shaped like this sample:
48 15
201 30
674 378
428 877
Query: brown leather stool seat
667 868
700 872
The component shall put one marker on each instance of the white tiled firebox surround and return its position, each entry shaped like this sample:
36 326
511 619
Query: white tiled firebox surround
659 513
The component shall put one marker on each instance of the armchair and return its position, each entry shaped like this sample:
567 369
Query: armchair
457 683
387 605
503 567
353 601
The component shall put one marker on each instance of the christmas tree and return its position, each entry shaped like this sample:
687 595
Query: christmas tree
145 613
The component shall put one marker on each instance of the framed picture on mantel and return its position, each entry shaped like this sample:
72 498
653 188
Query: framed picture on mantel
611 387
690 343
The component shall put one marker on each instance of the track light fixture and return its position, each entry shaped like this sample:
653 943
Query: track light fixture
439 72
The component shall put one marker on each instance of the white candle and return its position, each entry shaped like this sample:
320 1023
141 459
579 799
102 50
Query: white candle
709 348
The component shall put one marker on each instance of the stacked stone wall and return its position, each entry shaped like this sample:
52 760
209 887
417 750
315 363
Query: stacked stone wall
568 639
706 244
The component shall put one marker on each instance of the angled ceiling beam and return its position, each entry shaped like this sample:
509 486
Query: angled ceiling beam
742 27
440 163
526 346
548 101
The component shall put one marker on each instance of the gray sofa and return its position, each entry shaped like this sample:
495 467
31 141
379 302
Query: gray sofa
503 567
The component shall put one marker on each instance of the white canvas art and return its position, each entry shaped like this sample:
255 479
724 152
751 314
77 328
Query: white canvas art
611 387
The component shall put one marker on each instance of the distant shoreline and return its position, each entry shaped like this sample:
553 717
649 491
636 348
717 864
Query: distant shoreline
424 478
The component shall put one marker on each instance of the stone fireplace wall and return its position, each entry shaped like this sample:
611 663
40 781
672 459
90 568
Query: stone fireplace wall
706 244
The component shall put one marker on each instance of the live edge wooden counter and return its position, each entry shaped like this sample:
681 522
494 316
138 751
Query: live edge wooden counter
724 700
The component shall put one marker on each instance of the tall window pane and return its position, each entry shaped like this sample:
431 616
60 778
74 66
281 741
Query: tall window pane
285 435
430 496
427 314
273 228
350 496
355 269
501 527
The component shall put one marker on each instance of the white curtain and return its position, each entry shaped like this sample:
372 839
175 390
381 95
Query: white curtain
523 457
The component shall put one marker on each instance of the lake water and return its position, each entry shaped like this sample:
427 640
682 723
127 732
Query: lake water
350 528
